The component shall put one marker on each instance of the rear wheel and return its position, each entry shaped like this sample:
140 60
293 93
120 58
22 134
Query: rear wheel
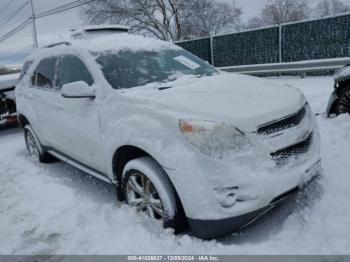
34 147
31 144
148 189
342 106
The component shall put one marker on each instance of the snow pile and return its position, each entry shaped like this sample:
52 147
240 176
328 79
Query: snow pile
56 209
7 81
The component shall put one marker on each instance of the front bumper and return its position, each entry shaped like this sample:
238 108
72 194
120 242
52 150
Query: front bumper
208 187
209 229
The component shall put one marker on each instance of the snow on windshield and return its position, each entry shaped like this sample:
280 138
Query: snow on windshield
127 69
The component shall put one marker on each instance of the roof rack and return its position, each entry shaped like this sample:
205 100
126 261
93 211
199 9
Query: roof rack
57 44
120 28
94 31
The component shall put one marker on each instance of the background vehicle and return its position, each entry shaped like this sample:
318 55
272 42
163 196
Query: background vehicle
182 141
8 116
339 102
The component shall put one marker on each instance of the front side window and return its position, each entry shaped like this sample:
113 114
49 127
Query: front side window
45 73
72 70
127 69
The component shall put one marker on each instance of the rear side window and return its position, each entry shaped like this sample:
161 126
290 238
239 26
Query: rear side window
45 73
72 70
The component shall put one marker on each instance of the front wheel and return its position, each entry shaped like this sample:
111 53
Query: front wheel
148 189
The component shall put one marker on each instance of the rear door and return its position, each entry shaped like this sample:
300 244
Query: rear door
41 97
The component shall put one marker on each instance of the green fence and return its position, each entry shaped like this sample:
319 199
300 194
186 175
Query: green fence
250 47
319 39
309 40
199 47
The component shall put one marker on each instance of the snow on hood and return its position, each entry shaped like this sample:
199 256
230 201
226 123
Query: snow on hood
243 101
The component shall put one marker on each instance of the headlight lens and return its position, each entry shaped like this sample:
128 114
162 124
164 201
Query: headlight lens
214 139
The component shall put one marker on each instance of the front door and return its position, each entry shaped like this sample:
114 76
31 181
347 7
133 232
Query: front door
78 118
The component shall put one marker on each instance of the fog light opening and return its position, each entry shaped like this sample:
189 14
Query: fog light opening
229 201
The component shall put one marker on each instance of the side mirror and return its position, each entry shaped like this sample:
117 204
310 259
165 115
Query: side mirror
78 89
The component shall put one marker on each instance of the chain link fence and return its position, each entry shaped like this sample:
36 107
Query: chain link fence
307 40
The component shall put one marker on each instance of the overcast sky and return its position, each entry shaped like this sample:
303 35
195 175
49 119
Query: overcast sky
52 28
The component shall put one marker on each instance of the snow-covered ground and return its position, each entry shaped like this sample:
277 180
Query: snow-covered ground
7 81
56 209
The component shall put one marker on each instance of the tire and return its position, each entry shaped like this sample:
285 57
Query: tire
34 147
342 105
148 188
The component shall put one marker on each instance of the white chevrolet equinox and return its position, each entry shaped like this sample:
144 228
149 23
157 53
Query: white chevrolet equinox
186 144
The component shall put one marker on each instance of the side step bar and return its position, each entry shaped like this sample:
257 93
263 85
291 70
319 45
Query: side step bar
80 166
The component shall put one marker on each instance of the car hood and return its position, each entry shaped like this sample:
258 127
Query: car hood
243 101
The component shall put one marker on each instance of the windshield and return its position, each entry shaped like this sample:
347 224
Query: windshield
127 69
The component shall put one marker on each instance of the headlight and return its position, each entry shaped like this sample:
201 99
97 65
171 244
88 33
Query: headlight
212 138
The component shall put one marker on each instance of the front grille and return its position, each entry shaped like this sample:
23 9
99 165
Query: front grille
283 124
283 156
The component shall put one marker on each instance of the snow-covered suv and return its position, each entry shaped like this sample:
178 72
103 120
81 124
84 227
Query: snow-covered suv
182 141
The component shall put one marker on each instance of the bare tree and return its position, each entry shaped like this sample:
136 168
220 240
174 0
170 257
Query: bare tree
330 7
159 18
255 22
208 17
276 12
115 12
166 19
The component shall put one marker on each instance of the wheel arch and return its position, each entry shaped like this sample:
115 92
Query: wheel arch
23 120
122 156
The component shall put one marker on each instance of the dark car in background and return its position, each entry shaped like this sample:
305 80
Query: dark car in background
339 102
8 115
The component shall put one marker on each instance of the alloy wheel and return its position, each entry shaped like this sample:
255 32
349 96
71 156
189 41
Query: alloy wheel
142 194
32 145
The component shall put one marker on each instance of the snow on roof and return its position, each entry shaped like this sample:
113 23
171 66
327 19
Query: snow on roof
106 43
123 42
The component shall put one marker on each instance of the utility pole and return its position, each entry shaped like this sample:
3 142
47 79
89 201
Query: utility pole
35 38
